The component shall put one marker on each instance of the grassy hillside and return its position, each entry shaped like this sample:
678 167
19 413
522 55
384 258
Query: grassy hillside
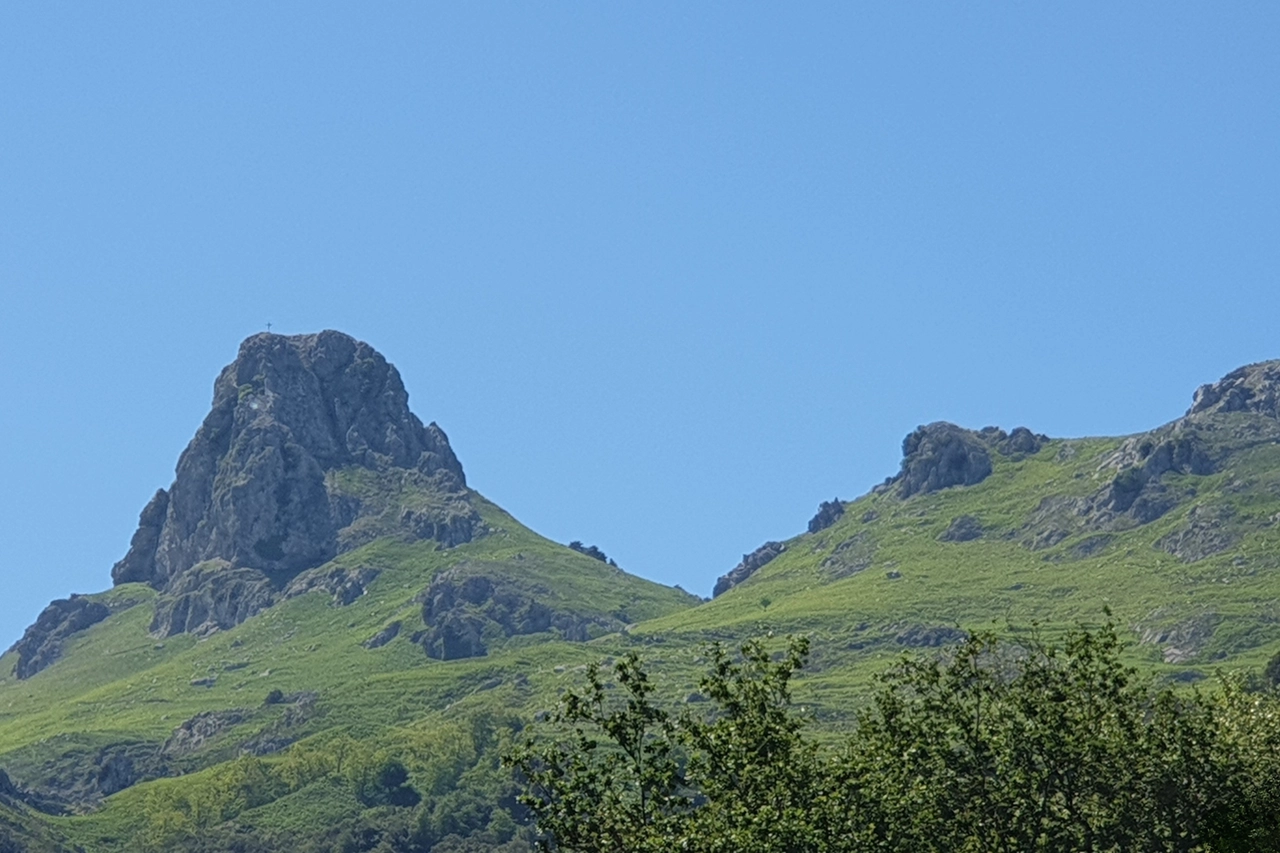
296 675
288 729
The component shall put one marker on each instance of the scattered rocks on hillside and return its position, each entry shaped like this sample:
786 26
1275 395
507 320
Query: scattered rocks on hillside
463 610
344 584
829 512
1135 494
964 528
41 643
751 563
1183 641
1253 388
194 734
851 556
266 484
1207 532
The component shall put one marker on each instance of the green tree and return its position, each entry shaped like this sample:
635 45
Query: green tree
997 745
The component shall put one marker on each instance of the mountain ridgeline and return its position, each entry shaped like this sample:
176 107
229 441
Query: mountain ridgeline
320 637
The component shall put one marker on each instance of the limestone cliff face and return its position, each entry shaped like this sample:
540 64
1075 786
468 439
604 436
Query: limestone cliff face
262 489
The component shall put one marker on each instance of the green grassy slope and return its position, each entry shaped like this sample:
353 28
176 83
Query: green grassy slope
1198 587
117 686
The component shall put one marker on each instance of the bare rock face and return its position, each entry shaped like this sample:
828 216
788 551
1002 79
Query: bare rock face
41 644
212 596
264 492
829 512
751 563
463 611
1254 388
941 455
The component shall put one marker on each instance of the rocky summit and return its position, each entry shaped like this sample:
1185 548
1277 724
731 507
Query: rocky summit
276 480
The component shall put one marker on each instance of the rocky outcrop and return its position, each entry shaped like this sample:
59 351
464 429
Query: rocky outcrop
1253 388
965 528
1135 494
344 584
210 597
851 556
1021 442
929 636
751 563
194 734
829 512
1208 531
265 490
465 610
941 455
41 643
1142 461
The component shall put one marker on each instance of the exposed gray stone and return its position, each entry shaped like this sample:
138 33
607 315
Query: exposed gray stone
751 563
211 596
929 636
829 512
1253 388
941 455
1022 442
851 556
194 734
964 528
258 491
464 609
41 644
344 584
1207 532
139 564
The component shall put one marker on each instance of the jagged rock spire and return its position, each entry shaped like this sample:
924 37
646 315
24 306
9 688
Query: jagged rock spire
256 487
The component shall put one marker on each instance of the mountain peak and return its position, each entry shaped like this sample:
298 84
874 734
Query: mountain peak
260 487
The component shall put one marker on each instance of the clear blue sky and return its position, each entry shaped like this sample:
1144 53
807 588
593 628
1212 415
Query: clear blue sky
668 274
